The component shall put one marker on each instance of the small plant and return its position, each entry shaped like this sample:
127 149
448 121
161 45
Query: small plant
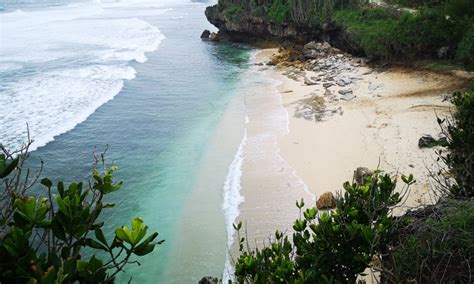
328 247
56 236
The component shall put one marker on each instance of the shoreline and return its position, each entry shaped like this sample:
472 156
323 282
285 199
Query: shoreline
377 126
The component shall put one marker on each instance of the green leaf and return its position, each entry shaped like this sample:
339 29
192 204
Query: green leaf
5 169
46 182
100 236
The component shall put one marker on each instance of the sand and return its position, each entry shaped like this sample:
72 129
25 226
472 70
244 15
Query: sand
379 128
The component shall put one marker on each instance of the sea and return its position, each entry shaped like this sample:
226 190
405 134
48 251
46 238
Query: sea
133 77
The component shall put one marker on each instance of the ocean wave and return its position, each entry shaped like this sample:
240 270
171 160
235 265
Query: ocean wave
232 200
78 60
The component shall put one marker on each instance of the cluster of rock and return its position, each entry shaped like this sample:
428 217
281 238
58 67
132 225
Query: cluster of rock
207 35
329 68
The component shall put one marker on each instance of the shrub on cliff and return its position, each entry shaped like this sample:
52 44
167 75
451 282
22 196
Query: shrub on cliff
388 35
327 247
56 236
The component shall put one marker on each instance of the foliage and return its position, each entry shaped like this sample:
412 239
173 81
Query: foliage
459 158
233 11
388 35
56 236
298 12
465 52
327 247
279 11
434 245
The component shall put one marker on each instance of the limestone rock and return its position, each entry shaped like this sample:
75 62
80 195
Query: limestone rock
361 174
326 201
214 37
309 82
205 34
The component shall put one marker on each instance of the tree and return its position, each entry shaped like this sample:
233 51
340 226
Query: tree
57 237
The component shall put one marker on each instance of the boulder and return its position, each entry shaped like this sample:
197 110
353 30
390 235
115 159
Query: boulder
326 201
209 280
345 92
361 174
309 82
205 34
426 141
314 49
213 37
327 85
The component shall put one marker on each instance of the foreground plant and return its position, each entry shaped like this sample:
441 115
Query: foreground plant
56 235
328 247
456 175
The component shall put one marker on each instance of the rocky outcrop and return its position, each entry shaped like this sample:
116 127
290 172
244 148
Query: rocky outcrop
205 34
240 25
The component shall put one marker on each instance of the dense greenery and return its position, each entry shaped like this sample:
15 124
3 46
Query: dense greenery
441 29
56 236
434 245
328 247
299 12
459 157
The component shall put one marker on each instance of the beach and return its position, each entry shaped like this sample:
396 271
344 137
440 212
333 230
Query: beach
325 133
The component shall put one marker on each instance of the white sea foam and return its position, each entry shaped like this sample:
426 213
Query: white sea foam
59 65
232 200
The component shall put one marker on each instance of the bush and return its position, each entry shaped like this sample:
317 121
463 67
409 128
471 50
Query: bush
383 34
465 52
459 158
56 238
327 247
434 245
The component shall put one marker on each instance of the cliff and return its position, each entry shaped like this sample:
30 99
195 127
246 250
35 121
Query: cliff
274 21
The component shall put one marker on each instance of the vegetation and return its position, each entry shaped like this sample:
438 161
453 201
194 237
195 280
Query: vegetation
434 245
438 29
56 236
429 245
458 156
328 247
300 12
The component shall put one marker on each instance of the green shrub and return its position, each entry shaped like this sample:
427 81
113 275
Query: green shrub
459 131
465 52
279 11
434 245
233 11
327 247
383 34
58 238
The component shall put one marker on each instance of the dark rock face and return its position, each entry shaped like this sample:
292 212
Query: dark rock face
205 34
247 28
251 29
426 141
209 280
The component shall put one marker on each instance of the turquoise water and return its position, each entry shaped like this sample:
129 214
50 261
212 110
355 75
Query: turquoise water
157 99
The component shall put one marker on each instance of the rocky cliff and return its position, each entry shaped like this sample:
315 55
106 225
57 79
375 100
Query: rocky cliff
241 21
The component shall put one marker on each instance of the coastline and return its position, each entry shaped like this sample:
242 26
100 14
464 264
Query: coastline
378 128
